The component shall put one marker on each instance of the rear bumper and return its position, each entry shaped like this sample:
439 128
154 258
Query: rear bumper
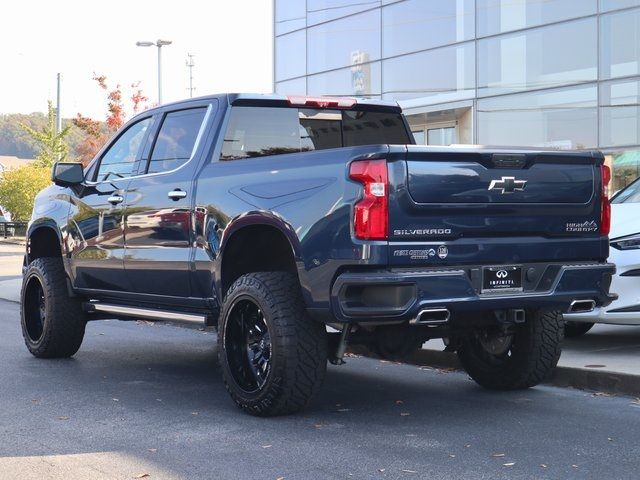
398 295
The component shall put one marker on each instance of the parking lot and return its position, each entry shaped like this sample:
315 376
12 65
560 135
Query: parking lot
142 399
148 399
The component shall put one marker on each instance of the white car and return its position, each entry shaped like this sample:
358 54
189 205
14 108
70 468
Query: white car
625 253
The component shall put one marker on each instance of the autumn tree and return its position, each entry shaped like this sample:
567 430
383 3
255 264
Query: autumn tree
51 145
96 135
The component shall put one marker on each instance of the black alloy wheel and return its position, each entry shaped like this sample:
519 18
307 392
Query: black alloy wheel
248 344
35 309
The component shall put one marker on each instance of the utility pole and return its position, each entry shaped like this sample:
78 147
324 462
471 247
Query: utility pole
190 63
58 114
58 117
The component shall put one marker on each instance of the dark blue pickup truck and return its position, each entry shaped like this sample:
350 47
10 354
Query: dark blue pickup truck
298 226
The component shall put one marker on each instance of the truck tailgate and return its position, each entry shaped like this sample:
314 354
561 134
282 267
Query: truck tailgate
451 197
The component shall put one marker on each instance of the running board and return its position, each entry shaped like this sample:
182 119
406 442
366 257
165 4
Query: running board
149 313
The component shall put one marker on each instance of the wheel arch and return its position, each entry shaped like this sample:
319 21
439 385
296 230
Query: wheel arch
44 239
253 242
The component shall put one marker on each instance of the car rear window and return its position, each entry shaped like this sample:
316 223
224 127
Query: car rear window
261 131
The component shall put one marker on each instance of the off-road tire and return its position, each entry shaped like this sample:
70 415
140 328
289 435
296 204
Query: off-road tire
62 331
576 329
298 351
534 353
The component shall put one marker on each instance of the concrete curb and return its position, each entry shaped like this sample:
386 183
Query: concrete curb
584 379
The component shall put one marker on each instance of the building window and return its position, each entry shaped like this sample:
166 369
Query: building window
607 5
620 44
620 112
341 42
441 75
290 55
523 61
289 15
297 86
319 11
359 81
499 16
441 136
562 118
405 24
625 168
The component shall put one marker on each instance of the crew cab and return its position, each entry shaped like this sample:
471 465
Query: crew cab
298 226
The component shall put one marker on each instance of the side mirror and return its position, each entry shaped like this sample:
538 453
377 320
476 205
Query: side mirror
67 174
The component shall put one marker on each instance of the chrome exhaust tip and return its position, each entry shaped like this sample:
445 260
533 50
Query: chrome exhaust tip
431 316
582 306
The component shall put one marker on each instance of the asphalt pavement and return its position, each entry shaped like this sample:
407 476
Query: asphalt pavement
144 400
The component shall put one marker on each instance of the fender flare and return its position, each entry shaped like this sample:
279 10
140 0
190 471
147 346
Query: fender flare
47 223
252 219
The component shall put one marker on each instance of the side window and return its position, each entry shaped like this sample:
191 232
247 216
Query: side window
176 139
120 159
260 131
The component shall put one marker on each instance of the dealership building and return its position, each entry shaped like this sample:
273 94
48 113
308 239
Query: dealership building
551 73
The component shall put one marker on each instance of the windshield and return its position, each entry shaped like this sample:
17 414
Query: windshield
630 194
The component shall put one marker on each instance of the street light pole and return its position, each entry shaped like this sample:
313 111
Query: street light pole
159 74
158 43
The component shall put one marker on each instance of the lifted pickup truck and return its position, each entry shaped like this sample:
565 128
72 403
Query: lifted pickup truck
300 225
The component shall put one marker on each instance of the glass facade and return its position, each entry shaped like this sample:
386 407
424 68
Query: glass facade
553 73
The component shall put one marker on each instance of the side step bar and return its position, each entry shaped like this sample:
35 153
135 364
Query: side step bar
139 312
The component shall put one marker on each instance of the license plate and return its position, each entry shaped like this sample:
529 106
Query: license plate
501 279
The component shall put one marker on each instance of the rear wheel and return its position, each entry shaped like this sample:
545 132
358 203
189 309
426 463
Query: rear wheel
576 329
519 358
53 323
273 356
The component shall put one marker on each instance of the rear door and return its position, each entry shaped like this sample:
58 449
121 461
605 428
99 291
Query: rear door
158 223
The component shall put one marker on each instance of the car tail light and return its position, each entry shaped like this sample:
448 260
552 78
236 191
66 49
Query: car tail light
322 102
371 213
605 206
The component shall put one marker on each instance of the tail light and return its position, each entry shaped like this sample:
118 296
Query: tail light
371 213
605 206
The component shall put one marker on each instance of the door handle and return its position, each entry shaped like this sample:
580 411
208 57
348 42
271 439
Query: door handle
115 199
176 194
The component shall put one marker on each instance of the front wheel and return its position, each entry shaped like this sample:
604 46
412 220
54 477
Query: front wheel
53 322
273 355
515 359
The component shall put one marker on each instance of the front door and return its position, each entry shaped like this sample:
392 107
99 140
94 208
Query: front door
96 219
158 225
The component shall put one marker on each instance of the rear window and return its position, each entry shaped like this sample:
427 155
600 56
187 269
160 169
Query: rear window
261 131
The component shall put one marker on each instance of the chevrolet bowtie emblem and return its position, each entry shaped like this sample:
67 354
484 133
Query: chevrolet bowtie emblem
507 185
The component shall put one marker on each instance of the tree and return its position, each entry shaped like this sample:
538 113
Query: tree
96 137
51 145
19 187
